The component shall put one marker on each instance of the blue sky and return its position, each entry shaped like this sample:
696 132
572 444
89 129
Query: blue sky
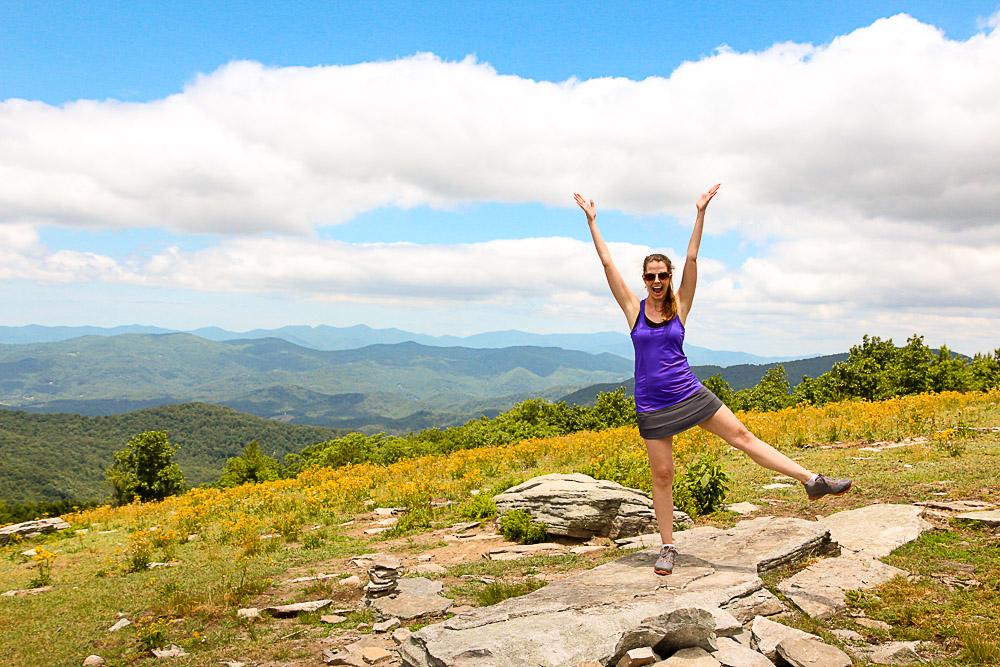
253 165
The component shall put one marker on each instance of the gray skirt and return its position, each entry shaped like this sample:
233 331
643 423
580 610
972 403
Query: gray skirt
678 417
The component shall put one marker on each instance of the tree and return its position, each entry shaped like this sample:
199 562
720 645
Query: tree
720 388
910 368
251 465
144 470
771 393
613 408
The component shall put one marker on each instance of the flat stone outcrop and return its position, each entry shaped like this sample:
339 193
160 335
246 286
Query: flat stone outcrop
414 597
875 531
989 517
584 616
29 529
582 507
820 589
762 544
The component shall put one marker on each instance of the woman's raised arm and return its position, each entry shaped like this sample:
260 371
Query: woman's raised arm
685 293
628 301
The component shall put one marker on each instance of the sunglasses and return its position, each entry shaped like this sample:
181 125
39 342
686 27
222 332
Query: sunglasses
650 277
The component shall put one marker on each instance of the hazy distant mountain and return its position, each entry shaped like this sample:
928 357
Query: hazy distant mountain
346 338
270 377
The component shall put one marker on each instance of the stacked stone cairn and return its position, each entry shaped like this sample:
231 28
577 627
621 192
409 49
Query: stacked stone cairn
383 575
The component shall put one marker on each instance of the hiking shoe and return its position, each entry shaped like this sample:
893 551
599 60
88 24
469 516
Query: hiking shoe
824 486
665 563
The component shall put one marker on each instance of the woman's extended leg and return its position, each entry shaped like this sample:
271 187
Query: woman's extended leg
661 465
725 425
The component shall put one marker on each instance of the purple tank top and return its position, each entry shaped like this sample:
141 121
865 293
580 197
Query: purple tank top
662 374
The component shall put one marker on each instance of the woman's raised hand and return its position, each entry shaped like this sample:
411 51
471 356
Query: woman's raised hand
590 209
707 197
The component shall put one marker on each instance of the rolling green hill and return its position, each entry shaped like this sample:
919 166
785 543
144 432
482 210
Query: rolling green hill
64 456
104 374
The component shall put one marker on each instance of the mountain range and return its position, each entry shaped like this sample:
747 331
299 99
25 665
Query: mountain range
345 338
362 388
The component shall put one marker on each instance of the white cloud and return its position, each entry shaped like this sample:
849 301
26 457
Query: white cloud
892 120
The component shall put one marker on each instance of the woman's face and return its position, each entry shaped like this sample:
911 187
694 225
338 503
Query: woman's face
657 287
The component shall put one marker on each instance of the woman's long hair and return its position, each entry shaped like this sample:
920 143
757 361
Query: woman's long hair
670 302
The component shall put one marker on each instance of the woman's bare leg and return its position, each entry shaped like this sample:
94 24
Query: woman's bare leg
661 464
725 425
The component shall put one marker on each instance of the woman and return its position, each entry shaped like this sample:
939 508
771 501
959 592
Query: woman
669 399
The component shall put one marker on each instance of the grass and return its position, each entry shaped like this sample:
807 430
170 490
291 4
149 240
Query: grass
228 566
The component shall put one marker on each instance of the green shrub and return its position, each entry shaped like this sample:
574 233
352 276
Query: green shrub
701 489
518 526
481 506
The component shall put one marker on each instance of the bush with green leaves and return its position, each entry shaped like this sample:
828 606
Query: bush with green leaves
701 488
480 506
518 526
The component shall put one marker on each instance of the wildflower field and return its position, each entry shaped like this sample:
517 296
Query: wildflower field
222 549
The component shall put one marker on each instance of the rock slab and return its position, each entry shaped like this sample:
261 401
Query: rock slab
582 617
808 653
580 506
415 597
28 529
989 517
820 589
874 531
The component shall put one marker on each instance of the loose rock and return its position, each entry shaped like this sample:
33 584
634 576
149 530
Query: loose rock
588 549
249 612
332 619
667 633
26 591
848 635
896 653
733 654
691 657
386 626
122 623
637 657
742 508
768 634
374 655
810 653
288 610
873 624
759 603
93 661
172 651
